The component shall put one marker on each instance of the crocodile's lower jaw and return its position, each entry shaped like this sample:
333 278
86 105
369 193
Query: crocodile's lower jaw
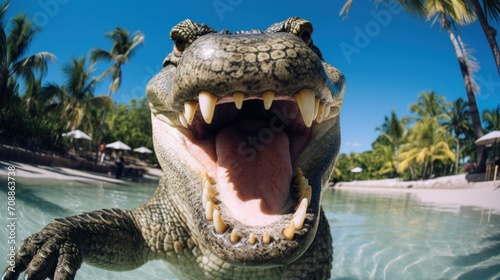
260 213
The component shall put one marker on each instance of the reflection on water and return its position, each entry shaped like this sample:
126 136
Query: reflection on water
376 235
393 236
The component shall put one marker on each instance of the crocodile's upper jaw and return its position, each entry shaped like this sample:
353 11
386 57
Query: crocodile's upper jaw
259 144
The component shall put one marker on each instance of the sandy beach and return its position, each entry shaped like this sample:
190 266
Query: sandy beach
25 170
447 191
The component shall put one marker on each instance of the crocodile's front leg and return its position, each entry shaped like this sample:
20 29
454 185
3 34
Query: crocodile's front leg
106 238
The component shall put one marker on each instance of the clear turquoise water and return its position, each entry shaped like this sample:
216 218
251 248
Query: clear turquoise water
376 235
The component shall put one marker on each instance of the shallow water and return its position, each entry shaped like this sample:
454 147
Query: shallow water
376 235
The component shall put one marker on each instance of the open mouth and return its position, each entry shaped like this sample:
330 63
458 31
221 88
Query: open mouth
248 145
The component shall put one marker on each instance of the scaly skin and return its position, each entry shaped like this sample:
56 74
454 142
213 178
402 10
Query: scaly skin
180 223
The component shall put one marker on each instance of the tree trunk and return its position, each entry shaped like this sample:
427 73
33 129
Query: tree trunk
99 136
101 123
4 95
457 159
471 97
489 31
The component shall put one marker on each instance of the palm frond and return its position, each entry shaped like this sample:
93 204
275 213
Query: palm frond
137 39
52 91
3 10
463 12
3 37
100 54
75 118
471 62
21 34
345 9
414 7
35 62
492 9
117 80
102 101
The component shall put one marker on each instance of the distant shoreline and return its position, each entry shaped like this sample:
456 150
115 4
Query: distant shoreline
34 171
446 182
453 191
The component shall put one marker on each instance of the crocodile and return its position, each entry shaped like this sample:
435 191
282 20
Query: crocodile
246 130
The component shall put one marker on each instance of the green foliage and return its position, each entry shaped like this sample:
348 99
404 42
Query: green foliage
428 142
130 124
36 118
492 118
421 148
15 39
18 127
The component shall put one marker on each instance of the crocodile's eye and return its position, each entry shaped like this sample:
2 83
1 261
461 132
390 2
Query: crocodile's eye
306 36
180 45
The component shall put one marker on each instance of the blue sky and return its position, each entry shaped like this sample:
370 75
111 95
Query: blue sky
388 56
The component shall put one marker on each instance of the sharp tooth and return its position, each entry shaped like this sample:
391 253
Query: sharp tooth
316 107
190 111
210 190
252 239
306 99
321 112
209 210
299 173
266 239
238 99
268 97
182 120
234 236
300 214
289 231
220 226
208 179
207 103
326 112
205 196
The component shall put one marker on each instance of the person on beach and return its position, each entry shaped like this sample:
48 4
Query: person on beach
102 152
119 165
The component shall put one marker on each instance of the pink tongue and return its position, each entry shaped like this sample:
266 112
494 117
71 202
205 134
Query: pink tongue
254 172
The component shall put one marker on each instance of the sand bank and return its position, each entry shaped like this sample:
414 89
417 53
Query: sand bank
64 173
450 190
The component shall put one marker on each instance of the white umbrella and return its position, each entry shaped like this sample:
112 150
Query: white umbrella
118 145
489 139
77 134
356 170
143 150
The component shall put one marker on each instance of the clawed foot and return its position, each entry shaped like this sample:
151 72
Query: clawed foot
46 254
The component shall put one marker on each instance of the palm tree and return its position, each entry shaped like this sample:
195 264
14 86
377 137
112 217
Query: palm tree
124 46
393 131
13 47
491 11
460 12
428 142
385 158
448 12
458 123
430 105
492 118
77 95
